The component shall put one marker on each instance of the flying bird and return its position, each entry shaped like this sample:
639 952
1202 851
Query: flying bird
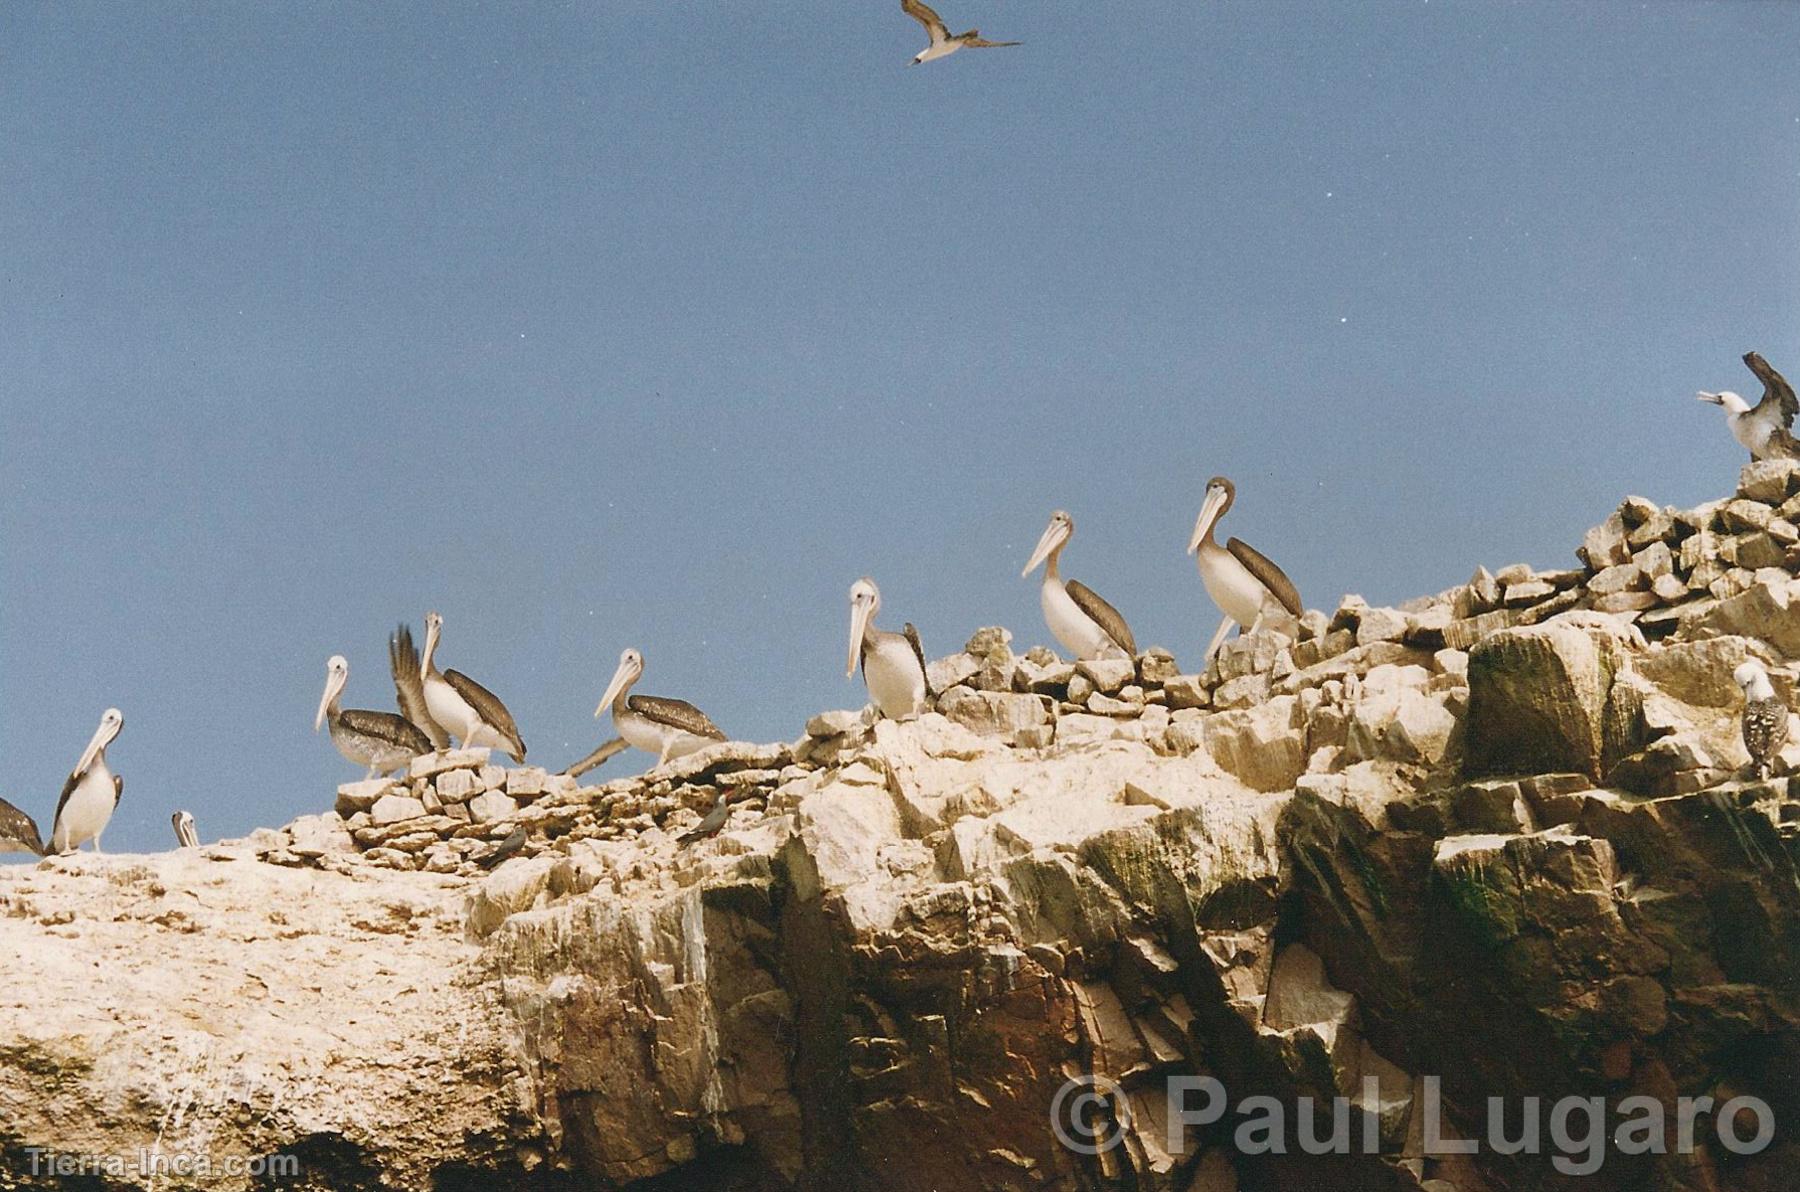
18 831
1241 580
943 42
893 664
1086 625
712 823
669 728
381 741
91 793
1765 719
462 705
185 836
1765 428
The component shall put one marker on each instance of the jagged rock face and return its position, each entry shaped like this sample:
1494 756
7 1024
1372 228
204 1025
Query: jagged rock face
1493 836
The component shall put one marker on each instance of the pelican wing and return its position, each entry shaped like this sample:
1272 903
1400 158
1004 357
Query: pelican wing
1269 575
18 827
934 25
1777 393
62 800
1102 614
118 788
598 757
1782 445
912 637
487 705
409 688
974 40
385 726
676 713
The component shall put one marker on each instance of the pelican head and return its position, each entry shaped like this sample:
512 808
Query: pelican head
337 673
1732 402
111 721
1060 529
1754 680
1220 493
865 598
434 625
631 668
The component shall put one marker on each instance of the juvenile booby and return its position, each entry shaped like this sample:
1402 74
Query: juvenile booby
1765 719
943 42
463 706
381 741
893 663
1086 625
1241 580
409 686
91 793
1763 429
669 728
18 831
185 836
599 757
712 823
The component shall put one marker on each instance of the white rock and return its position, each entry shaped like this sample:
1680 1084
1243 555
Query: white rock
353 797
391 809
427 765
830 724
528 782
1107 674
491 805
455 786
316 835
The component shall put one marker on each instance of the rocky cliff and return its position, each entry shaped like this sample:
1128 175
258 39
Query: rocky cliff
1491 844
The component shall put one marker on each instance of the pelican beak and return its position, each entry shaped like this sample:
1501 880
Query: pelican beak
1209 513
95 744
1052 538
431 636
620 681
1703 395
331 689
860 612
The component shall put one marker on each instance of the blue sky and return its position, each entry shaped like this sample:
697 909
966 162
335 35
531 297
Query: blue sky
657 325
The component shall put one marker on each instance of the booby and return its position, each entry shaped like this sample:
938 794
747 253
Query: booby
381 741
18 831
1086 625
669 728
599 757
185 836
1765 719
463 706
91 793
1763 429
1241 580
712 823
893 664
409 686
943 42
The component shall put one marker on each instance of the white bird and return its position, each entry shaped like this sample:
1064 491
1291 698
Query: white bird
463 706
1086 625
1765 718
943 42
1242 581
1763 429
669 728
91 793
893 664
185 835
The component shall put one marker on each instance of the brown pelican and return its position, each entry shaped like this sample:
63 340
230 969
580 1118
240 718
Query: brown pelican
409 686
893 663
185 836
1765 720
18 831
381 741
943 42
463 706
669 728
1241 579
91 793
1086 625
1763 429
712 823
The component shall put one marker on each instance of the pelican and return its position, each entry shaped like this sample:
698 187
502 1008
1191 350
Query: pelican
409 686
669 728
1242 581
893 663
1762 428
1086 625
943 42
381 741
91 793
462 705
18 831
185 836
1765 719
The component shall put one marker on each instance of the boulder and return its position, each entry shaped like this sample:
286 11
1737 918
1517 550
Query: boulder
1542 699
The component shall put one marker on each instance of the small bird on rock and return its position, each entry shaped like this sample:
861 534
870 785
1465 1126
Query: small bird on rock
713 822
506 848
1765 720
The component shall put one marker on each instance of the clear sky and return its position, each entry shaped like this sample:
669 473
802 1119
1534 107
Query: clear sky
658 324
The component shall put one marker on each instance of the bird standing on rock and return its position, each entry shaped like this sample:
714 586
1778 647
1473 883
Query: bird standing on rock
1765 428
1765 719
91 793
712 823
